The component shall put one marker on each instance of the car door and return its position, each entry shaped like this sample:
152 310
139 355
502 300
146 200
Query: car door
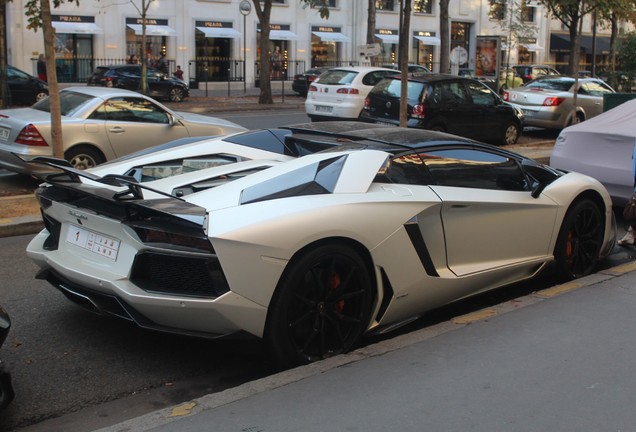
590 97
489 217
487 112
451 106
135 123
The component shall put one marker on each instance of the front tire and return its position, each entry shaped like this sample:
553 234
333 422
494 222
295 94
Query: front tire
580 240
321 307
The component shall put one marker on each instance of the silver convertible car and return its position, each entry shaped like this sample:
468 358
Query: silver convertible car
311 253
98 124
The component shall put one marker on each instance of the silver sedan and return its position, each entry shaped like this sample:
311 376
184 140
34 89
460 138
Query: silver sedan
548 102
98 124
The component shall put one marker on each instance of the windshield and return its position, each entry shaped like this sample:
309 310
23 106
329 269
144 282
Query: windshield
562 84
69 102
337 77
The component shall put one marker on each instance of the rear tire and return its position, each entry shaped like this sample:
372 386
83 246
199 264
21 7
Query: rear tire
321 307
580 240
83 157
176 94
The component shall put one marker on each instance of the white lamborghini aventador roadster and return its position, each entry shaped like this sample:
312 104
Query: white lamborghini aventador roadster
369 227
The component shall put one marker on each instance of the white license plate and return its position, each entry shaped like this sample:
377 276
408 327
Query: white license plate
4 133
384 123
93 241
528 113
322 108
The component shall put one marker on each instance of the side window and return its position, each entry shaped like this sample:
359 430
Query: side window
481 94
130 109
404 169
470 168
453 92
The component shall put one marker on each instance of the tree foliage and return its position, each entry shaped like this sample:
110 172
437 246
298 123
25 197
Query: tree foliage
627 58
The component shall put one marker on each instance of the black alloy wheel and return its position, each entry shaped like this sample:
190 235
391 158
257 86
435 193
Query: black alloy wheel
321 308
580 240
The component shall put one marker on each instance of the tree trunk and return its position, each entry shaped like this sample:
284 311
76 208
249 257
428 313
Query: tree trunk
403 56
263 12
371 22
4 86
51 75
444 34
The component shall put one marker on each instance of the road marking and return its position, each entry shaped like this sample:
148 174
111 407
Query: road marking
475 316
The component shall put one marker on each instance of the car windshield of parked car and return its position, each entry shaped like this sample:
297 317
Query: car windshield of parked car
70 102
337 77
561 84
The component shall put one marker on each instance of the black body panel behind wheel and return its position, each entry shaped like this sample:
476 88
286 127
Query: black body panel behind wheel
580 240
321 306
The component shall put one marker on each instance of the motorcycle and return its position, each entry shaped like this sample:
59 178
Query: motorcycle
6 389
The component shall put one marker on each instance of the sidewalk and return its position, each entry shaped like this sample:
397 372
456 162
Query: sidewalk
557 360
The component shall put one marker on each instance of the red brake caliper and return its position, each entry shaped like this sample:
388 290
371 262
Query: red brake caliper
333 284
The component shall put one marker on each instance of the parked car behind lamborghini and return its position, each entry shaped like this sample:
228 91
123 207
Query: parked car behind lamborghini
339 93
126 76
98 124
548 102
302 81
447 103
24 89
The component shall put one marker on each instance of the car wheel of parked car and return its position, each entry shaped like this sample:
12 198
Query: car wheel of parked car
511 134
176 94
579 242
83 157
321 307
41 95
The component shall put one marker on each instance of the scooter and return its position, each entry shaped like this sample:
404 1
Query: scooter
6 389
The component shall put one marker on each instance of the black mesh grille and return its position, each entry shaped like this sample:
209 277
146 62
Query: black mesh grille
178 275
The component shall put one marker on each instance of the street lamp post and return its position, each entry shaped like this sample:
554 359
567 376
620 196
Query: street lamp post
245 7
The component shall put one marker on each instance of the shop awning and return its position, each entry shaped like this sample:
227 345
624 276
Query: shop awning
533 47
392 39
77 27
561 43
220 32
429 40
331 36
154 30
282 35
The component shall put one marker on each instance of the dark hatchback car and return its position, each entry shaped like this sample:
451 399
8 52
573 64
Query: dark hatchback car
160 85
25 89
302 81
446 103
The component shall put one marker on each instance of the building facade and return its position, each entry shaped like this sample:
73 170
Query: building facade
218 40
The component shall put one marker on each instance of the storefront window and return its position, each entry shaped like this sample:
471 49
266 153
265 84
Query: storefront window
213 51
460 37
325 46
423 6
74 46
384 5
497 10
156 45
423 49
278 51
